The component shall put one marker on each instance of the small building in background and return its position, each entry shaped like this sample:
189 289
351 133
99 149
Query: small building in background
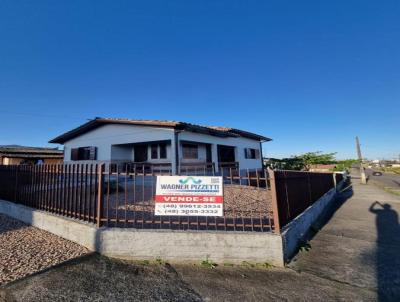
322 168
23 155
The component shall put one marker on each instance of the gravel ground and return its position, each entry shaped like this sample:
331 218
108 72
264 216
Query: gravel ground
244 200
25 250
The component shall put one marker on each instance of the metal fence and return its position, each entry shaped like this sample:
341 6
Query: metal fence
123 195
295 191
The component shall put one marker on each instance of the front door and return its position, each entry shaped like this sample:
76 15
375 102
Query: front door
140 153
226 154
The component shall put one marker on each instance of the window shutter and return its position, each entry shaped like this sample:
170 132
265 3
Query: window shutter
74 153
92 153
257 154
247 153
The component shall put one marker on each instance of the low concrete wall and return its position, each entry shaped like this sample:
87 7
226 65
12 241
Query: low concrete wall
295 231
233 247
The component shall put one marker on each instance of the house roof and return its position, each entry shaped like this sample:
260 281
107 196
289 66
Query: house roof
29 152
211 130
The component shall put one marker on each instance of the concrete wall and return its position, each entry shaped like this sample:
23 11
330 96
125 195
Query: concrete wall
194 246
297 230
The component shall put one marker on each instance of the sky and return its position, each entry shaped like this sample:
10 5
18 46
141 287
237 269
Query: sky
309 74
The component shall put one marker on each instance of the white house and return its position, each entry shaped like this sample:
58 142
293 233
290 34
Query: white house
172 144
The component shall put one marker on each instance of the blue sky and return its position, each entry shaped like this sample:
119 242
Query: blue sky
310 74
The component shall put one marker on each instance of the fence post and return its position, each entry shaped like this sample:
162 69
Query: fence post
275 208
334 181
16 183
100 194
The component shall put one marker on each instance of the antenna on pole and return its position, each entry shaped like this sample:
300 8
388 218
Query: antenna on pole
362 170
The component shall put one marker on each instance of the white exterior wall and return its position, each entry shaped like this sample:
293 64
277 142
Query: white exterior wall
106 136
240 143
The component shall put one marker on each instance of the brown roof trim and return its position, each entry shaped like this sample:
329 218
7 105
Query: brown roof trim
32 155
16 149
216 131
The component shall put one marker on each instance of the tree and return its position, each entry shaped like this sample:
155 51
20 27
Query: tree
303 162
315 158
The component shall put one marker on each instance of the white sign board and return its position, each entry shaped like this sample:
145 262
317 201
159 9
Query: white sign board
189 196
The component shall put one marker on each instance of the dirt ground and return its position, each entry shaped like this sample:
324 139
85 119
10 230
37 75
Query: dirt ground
97 278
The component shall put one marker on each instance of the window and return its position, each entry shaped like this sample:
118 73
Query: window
163 150
154 151
250 153
189 151
158 151
84 153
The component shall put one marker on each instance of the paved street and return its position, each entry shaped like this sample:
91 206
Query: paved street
389 180
354 257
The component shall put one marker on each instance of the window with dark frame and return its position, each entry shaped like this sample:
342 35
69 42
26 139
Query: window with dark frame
251 153
190 151
163 150
84 153
154 151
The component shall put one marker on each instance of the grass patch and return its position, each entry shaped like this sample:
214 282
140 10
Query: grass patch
144 262
257 265
304 246
248 264
208 263
391 190
264 265
160 261
229 264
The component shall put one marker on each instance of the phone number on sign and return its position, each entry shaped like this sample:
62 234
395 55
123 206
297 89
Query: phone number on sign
189 209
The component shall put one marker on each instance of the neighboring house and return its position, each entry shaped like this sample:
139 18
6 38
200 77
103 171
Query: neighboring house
322 168
21 155
162 143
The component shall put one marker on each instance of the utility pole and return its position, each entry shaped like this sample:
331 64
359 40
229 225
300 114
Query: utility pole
362 170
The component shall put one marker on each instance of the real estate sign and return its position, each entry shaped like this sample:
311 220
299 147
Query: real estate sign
189 196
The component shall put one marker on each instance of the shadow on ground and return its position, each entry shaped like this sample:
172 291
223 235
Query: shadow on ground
97 278
387 251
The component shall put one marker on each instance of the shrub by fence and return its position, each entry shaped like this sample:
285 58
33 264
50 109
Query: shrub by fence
117 196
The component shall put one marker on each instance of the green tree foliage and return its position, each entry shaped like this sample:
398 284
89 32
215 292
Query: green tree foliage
303 162
345 165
